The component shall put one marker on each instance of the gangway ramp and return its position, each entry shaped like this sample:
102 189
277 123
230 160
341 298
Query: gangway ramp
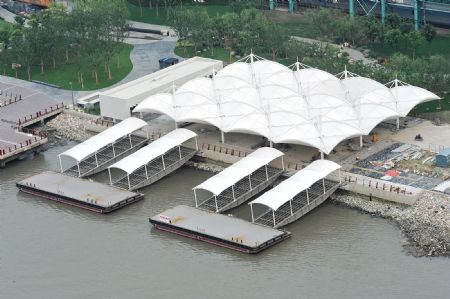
297 195
102 150
240 181
154 161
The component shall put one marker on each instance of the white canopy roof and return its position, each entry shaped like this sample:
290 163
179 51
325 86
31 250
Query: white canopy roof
244 167
297 183
110 135
299 105
153 150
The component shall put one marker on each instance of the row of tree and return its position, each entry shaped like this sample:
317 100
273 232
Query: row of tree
93 31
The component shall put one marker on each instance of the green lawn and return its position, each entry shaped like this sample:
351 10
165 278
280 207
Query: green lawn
440 45
65 73
4 24
149 15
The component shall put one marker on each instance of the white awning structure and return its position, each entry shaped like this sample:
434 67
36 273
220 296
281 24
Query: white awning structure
296 104
154 150
299 182
244 167
108 136
442 187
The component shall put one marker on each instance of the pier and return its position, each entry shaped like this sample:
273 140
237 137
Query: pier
100 151
240 181
225 231
297 195
154 161
77 192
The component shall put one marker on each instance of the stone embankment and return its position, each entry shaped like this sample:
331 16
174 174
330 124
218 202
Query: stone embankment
426 224
205 166
68 126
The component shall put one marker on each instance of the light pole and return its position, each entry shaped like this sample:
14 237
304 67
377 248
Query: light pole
71 88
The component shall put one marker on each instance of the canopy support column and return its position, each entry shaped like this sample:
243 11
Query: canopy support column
215 200
251 211
321 155
250 181
339 173
282 162
146 172
96 160
360 141
290 205
222 136
110 180
267 174
196 143
114 151
60 163
195 198
179 151
131 143
146 131
129 184
164 164
270 143
307 196
232 189
273 215
78 166
398 123
323 182
176 125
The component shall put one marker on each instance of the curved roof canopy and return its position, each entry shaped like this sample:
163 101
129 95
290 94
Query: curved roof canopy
153 150
299 105
297 183
102 139
242 168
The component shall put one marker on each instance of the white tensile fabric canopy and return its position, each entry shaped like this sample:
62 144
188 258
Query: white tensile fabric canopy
298 105
154 150
102 139
244 167
297 183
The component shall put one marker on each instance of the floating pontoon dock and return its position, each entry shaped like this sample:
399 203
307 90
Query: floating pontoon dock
297 195
221 230
102 150
241 181
154 161
77 192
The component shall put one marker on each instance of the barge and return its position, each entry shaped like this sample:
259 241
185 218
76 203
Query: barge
86 194
221 230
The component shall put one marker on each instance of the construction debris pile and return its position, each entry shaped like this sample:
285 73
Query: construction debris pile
67 126
404 164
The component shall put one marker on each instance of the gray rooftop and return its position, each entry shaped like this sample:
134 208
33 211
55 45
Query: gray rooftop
217 225
79 189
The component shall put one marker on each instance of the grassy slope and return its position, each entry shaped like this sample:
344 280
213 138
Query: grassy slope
65 73
149 14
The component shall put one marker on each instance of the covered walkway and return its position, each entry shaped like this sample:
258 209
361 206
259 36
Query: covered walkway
105 148
154 161
298 195
240 181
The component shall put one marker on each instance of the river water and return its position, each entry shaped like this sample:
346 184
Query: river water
49 250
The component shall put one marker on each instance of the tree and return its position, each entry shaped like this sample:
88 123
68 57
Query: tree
393 21
429 32
274 38
393 37
415 39
372 28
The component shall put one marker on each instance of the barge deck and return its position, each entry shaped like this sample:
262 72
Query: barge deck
225 231
89 195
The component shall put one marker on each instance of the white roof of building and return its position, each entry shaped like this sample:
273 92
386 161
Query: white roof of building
108 136
244 167
287 105
297 183
163 77
442 187
154 150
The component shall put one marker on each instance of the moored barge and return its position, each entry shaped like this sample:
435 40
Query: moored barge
221 230
82 193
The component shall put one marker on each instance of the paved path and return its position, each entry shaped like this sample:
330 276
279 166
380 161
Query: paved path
353 53
7 15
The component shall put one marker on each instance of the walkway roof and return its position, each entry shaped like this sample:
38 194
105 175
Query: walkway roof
242 168
153 150
108 136
297 183
298 105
